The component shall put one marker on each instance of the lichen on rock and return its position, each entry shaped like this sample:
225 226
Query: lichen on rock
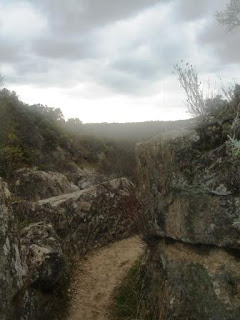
32 184
88 218
190 185
11 269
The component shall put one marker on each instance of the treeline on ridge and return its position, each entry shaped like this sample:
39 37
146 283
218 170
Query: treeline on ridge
38 136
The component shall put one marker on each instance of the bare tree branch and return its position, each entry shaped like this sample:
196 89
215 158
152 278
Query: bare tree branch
230 17
189 81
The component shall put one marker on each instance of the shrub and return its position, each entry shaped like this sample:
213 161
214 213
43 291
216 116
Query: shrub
190 83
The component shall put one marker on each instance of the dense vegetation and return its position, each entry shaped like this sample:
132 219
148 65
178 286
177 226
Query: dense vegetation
26 133
39 136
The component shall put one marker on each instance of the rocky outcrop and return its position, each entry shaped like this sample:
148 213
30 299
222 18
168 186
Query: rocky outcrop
88 177
190 184
11 269
87 218
30 266
185 282
43 256
30 184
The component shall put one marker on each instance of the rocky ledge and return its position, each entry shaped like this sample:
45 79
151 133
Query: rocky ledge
38 238
190 184
32 184
86 218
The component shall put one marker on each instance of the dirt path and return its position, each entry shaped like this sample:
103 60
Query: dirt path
96 277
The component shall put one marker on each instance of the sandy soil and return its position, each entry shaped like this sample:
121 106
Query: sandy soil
96 277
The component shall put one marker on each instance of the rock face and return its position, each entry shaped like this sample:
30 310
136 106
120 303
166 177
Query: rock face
33 261
186 282
35 185
28 268
88 218
42 255
89 177
11 270
191 186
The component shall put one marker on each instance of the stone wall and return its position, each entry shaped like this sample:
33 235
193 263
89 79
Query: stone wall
191 190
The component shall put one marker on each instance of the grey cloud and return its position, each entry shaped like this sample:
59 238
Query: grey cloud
123 83
143 69
162 54
225 45
190 10
72 51
76 16
10 52
52 47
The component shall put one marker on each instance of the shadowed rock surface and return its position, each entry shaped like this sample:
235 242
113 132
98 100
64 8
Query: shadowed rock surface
87 218
34 185
88 177
190 183
33 267
11 269
26 271
42 255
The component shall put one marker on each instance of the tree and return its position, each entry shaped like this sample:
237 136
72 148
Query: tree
190 83
230 17
74 125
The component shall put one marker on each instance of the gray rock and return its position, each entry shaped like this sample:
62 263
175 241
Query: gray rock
89 177
11 269
190 184
42 255
28 270
186 282
192 195
34 185
89 218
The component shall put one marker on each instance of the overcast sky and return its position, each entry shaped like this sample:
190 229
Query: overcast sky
112 61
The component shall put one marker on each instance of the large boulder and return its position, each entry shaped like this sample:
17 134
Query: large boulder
11 269
88 218
29 268
88 177
190 183
30 184
42 255
185 282
192 193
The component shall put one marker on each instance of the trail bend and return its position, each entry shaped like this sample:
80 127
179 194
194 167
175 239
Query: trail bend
97 275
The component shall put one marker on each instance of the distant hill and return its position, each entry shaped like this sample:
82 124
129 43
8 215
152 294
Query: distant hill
132 131
39 136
